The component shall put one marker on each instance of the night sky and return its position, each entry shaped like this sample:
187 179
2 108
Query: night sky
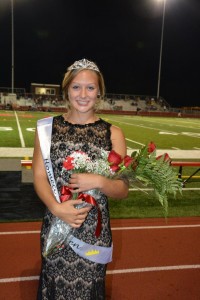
122 36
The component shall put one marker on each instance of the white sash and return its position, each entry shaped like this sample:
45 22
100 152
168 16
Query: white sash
44 128
97 254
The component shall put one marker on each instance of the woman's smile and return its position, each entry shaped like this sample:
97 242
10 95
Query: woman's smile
83 102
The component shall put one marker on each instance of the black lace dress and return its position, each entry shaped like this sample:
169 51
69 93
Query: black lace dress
65 275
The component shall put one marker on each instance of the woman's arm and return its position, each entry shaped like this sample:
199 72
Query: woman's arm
118 141
111 187
64 211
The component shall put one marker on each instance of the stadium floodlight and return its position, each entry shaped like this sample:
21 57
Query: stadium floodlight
12 45
161 47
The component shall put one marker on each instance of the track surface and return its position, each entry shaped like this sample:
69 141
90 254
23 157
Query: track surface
152 260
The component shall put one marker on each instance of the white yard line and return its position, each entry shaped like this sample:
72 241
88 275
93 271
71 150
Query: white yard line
20 131
135 142
175 148
194 125
195 135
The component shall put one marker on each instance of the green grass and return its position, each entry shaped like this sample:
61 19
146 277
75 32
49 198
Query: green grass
165 132
9 138
140 205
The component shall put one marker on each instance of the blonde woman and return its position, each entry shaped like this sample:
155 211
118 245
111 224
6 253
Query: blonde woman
65 274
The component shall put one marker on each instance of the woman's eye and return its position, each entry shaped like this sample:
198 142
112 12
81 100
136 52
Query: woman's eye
75 87
90 88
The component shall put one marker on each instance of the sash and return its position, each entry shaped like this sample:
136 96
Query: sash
97 254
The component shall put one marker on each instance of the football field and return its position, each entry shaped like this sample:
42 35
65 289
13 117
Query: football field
179 136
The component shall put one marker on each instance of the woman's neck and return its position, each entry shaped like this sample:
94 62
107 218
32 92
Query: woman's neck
76 118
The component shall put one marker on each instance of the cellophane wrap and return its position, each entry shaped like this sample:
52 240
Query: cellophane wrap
61 233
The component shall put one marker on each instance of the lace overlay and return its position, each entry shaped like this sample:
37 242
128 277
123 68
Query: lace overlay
64 274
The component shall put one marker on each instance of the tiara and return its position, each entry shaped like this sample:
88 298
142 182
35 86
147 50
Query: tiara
83 64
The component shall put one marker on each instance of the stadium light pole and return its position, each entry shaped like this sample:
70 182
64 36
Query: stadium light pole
161 47
12 46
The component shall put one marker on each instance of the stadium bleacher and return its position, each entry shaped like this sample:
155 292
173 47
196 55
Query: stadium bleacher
131 104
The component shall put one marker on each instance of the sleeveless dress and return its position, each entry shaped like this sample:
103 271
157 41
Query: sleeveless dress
64 274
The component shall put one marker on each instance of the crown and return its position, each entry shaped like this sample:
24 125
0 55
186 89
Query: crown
83 64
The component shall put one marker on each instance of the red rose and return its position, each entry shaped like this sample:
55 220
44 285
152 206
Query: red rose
127 161
151 147
115 168
114 158
166 157
68 163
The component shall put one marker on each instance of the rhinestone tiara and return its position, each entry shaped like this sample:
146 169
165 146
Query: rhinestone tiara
83 64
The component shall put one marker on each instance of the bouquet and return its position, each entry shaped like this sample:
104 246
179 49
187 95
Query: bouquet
141 168
144 168
61 233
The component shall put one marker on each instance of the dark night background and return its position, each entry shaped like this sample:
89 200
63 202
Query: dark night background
122 37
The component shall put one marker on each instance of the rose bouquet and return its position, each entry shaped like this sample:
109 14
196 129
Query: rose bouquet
140 169
144 168
60 233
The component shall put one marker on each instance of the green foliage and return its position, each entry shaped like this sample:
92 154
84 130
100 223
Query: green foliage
155 173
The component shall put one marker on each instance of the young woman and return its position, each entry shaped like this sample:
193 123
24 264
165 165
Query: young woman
65 274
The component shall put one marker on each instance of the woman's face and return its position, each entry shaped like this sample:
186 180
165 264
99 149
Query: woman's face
83 91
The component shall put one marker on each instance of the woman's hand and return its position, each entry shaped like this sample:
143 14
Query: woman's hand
82 182
71 215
